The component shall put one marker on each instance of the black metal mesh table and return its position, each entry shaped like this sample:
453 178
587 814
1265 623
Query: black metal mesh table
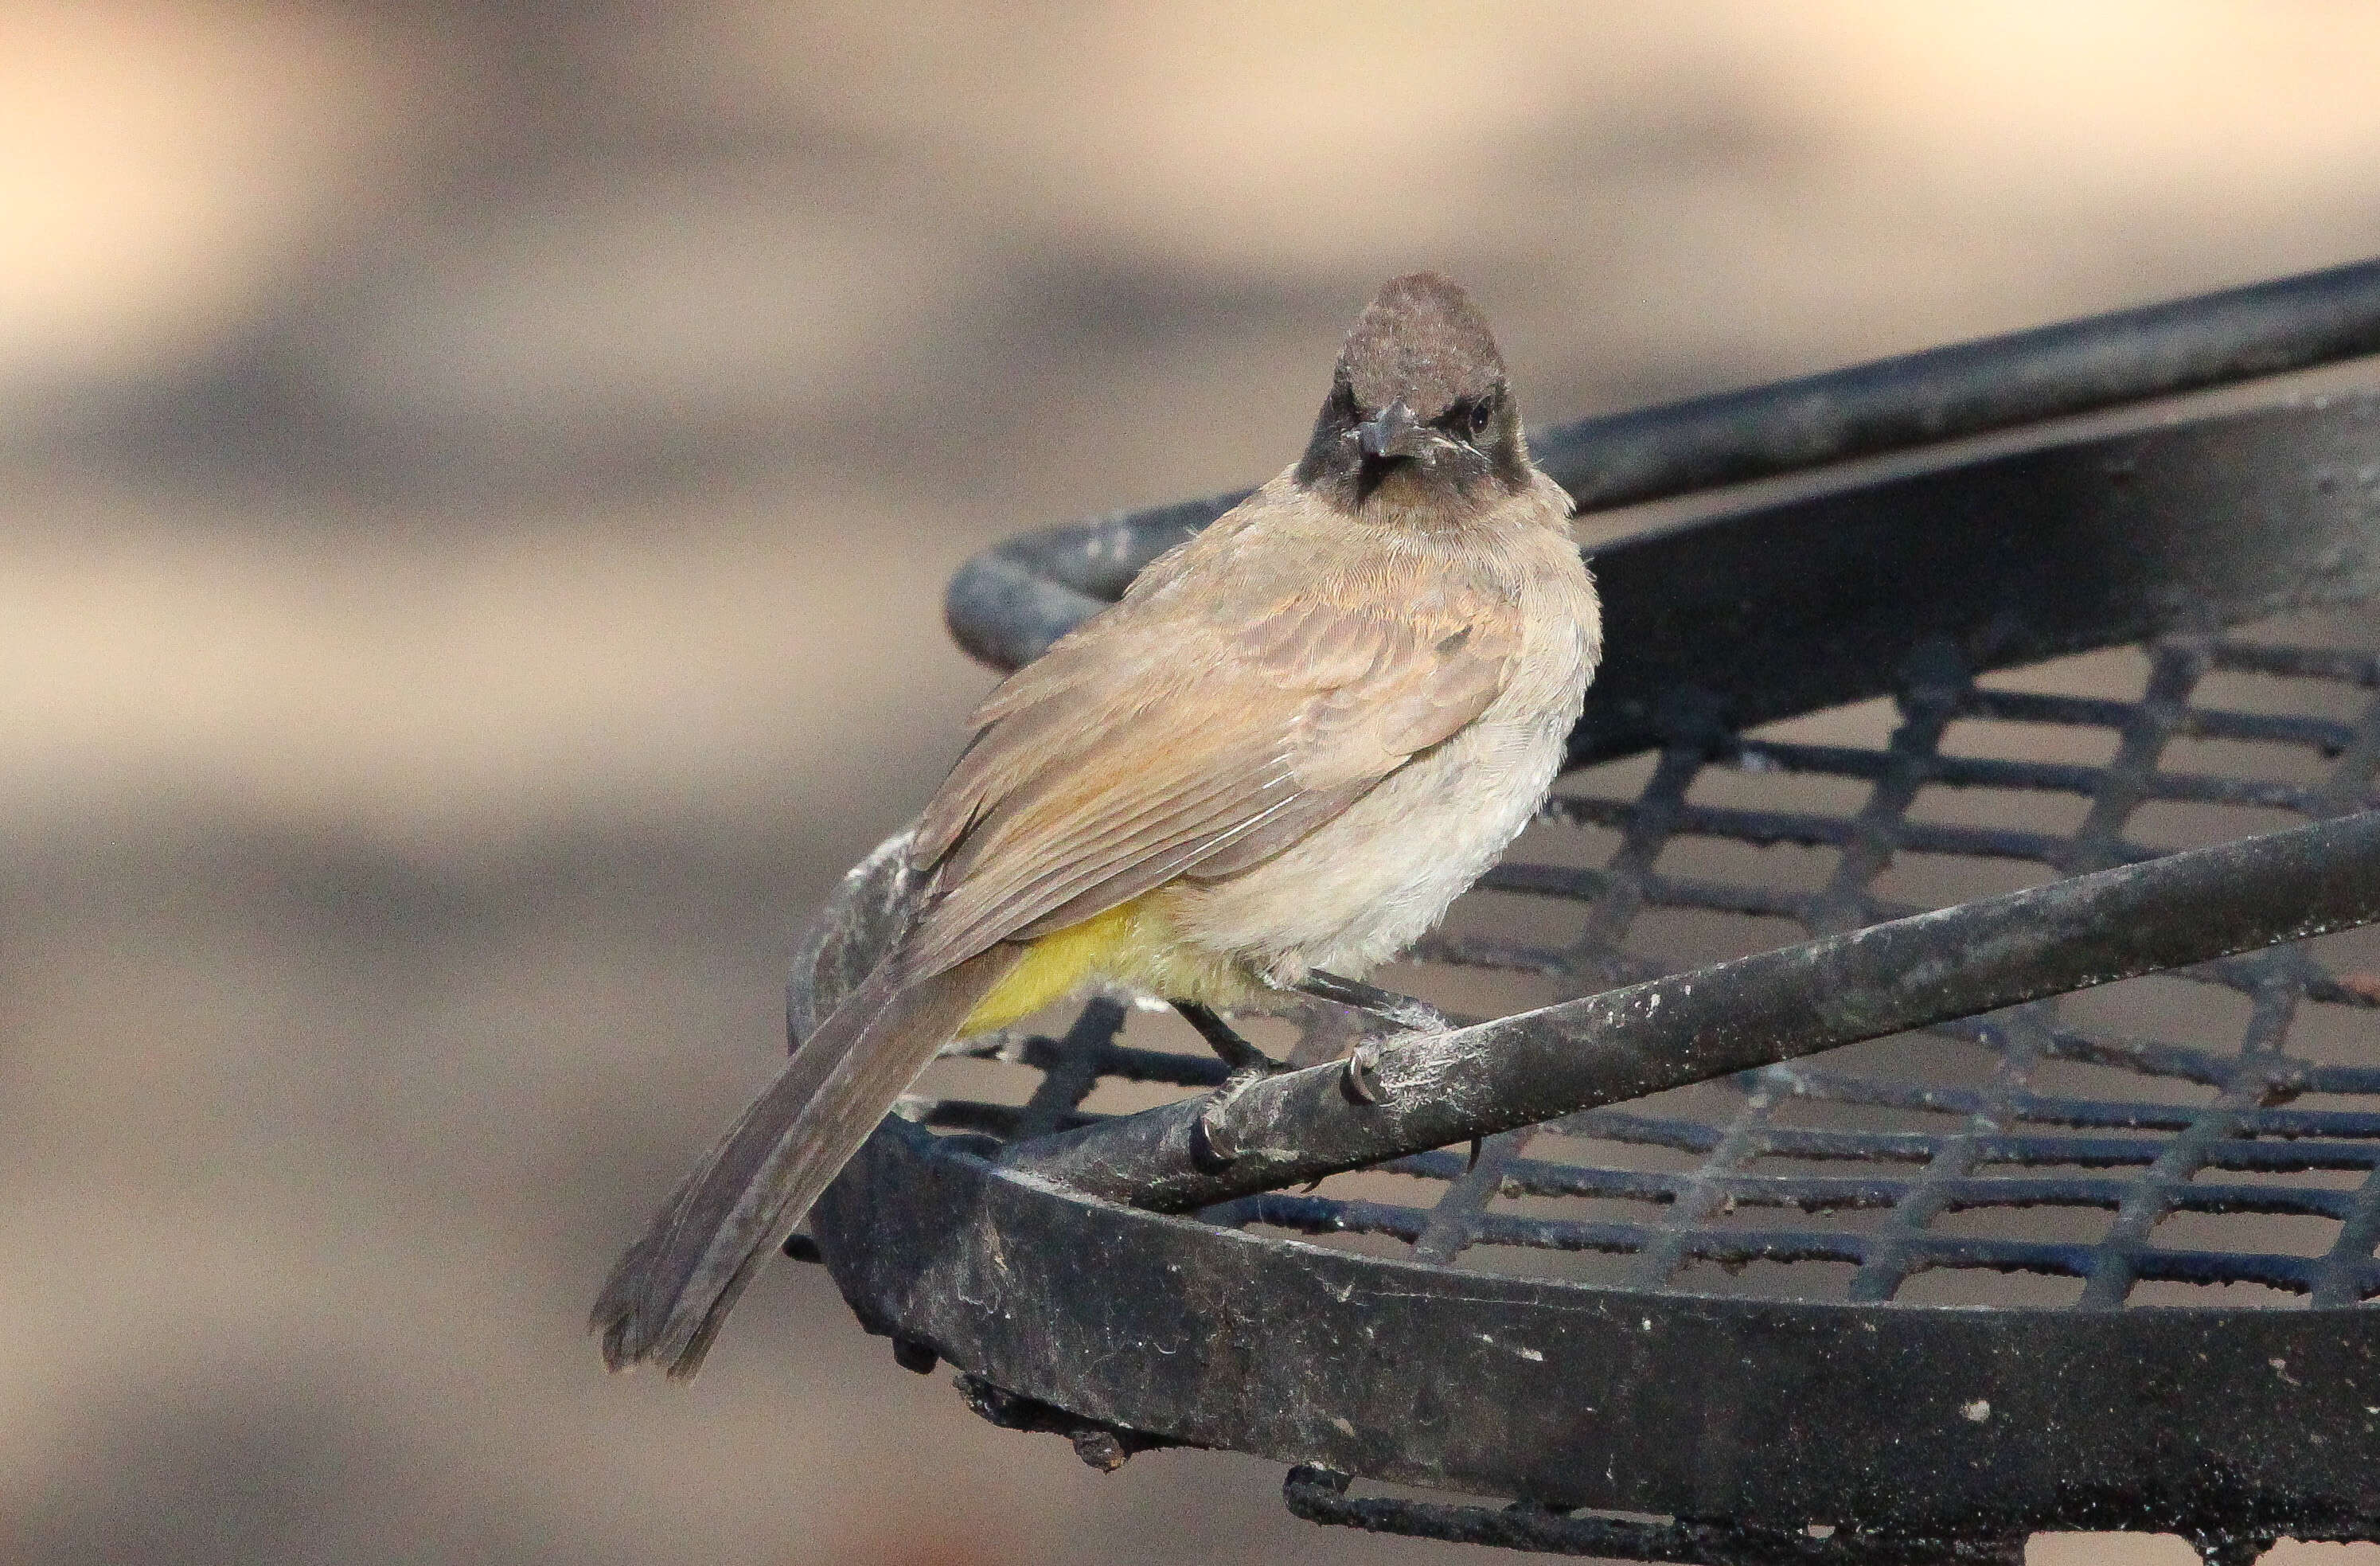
2095 1260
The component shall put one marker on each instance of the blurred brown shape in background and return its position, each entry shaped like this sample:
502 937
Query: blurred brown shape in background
478 481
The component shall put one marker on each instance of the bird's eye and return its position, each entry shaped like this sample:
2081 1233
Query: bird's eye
1483 414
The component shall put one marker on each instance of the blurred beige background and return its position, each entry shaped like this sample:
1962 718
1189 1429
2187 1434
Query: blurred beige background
478 480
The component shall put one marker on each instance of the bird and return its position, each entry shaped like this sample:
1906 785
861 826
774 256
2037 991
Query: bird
1269 768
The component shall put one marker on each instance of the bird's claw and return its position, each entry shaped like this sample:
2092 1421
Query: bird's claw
1359 1082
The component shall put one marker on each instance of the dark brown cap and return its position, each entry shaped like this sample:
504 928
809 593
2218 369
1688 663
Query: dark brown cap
1421 340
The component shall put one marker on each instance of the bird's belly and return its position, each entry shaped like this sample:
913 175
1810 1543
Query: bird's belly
1364 886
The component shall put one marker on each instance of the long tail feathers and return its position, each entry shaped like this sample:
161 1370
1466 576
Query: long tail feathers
669 1294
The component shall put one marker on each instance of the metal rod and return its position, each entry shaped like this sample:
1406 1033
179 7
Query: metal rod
1966 389
1444 1088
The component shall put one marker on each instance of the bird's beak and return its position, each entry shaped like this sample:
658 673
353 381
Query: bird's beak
1394 433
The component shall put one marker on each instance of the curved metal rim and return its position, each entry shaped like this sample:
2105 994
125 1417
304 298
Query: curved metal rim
1758 1411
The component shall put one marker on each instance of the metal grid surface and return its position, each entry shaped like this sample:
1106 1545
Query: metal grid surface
2211 1136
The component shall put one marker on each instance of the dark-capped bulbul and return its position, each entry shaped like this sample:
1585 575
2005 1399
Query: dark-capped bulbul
1297 739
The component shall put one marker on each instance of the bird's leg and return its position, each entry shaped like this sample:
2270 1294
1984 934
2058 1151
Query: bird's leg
1400 1012
1248 1065
1233 1051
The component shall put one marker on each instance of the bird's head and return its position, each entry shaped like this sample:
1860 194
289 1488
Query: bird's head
1419 418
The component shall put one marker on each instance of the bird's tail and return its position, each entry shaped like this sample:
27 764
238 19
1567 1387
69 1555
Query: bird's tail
669 1294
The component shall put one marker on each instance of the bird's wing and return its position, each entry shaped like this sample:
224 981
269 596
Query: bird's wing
1120 760
1108 766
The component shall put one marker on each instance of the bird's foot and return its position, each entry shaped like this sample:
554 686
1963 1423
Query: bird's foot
1249 1065
1217 1141
1401 1013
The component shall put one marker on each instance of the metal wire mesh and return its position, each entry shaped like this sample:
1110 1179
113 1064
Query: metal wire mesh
2211 1136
